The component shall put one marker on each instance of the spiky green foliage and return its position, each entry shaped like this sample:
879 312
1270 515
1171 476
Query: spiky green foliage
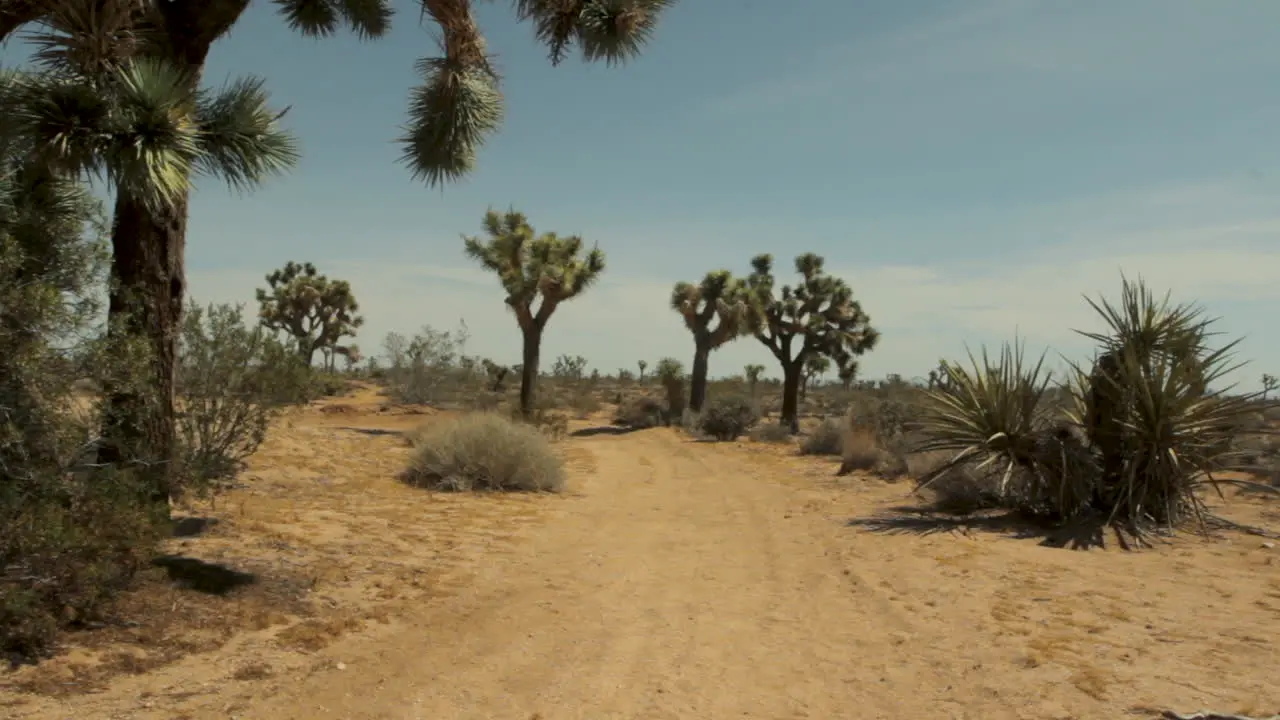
314 310
99 105
538 273
452 112
817 316
716 312
459 103
1146 432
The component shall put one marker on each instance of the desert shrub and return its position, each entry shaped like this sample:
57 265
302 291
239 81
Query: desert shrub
728 417
670 373
963 491
859 449
232 382
71 533
640 413
771 433
483 451
826 439
1145 432
554 425
432 369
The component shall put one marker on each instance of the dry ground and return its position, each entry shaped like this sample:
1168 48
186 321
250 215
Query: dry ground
675 580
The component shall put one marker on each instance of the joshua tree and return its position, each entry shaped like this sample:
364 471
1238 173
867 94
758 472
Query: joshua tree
720 300
643 366
819 315
815 366
315 311
846 370
159 50
752 373
146 128
1269 385
530 267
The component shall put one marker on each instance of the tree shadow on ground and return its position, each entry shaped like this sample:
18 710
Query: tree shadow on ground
922 520
604 430
376 432
190 526
201 576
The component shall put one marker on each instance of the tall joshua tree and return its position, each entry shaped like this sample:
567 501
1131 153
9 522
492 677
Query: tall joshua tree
545 270
818 316
458 105
145 127
715 311
315 311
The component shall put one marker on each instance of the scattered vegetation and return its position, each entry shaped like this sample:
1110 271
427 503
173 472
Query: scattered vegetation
483 451
728 417
1144 432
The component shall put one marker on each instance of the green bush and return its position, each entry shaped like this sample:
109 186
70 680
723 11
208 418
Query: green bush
71 533
726 418
483 451
232 382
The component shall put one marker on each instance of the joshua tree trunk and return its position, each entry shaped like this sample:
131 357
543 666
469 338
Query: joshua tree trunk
791 377
698 378
148 274
145 302
529 370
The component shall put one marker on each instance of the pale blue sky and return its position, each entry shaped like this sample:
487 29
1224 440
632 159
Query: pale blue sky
970 166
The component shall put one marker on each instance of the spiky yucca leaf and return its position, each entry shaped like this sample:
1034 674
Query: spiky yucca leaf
450 115
144 130
321 18
88 38
240 138
1169 432
994 419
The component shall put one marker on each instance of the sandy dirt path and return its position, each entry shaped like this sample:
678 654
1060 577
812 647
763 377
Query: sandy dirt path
695 581
674 584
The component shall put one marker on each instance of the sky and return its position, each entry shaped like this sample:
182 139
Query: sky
973 169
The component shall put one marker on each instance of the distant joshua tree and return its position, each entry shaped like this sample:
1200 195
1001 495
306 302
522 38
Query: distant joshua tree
715 311
818 316
538 272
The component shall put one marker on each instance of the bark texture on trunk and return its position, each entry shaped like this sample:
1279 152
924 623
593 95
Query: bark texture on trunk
148 271
145 303
791 376
529 371
698 378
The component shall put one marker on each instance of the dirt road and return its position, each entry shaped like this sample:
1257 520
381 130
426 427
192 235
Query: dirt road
691 581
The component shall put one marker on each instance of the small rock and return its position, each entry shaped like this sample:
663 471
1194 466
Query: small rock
341 666
1268 545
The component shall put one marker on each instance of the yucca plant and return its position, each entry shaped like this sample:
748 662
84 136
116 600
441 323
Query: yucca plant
995 419
1158 430
1144 433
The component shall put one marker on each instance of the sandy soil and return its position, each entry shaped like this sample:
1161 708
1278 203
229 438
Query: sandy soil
674 580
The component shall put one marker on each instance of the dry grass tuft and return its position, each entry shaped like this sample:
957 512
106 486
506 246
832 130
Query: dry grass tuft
483 451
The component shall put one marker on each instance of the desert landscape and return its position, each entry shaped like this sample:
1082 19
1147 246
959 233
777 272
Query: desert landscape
672 578
215 504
